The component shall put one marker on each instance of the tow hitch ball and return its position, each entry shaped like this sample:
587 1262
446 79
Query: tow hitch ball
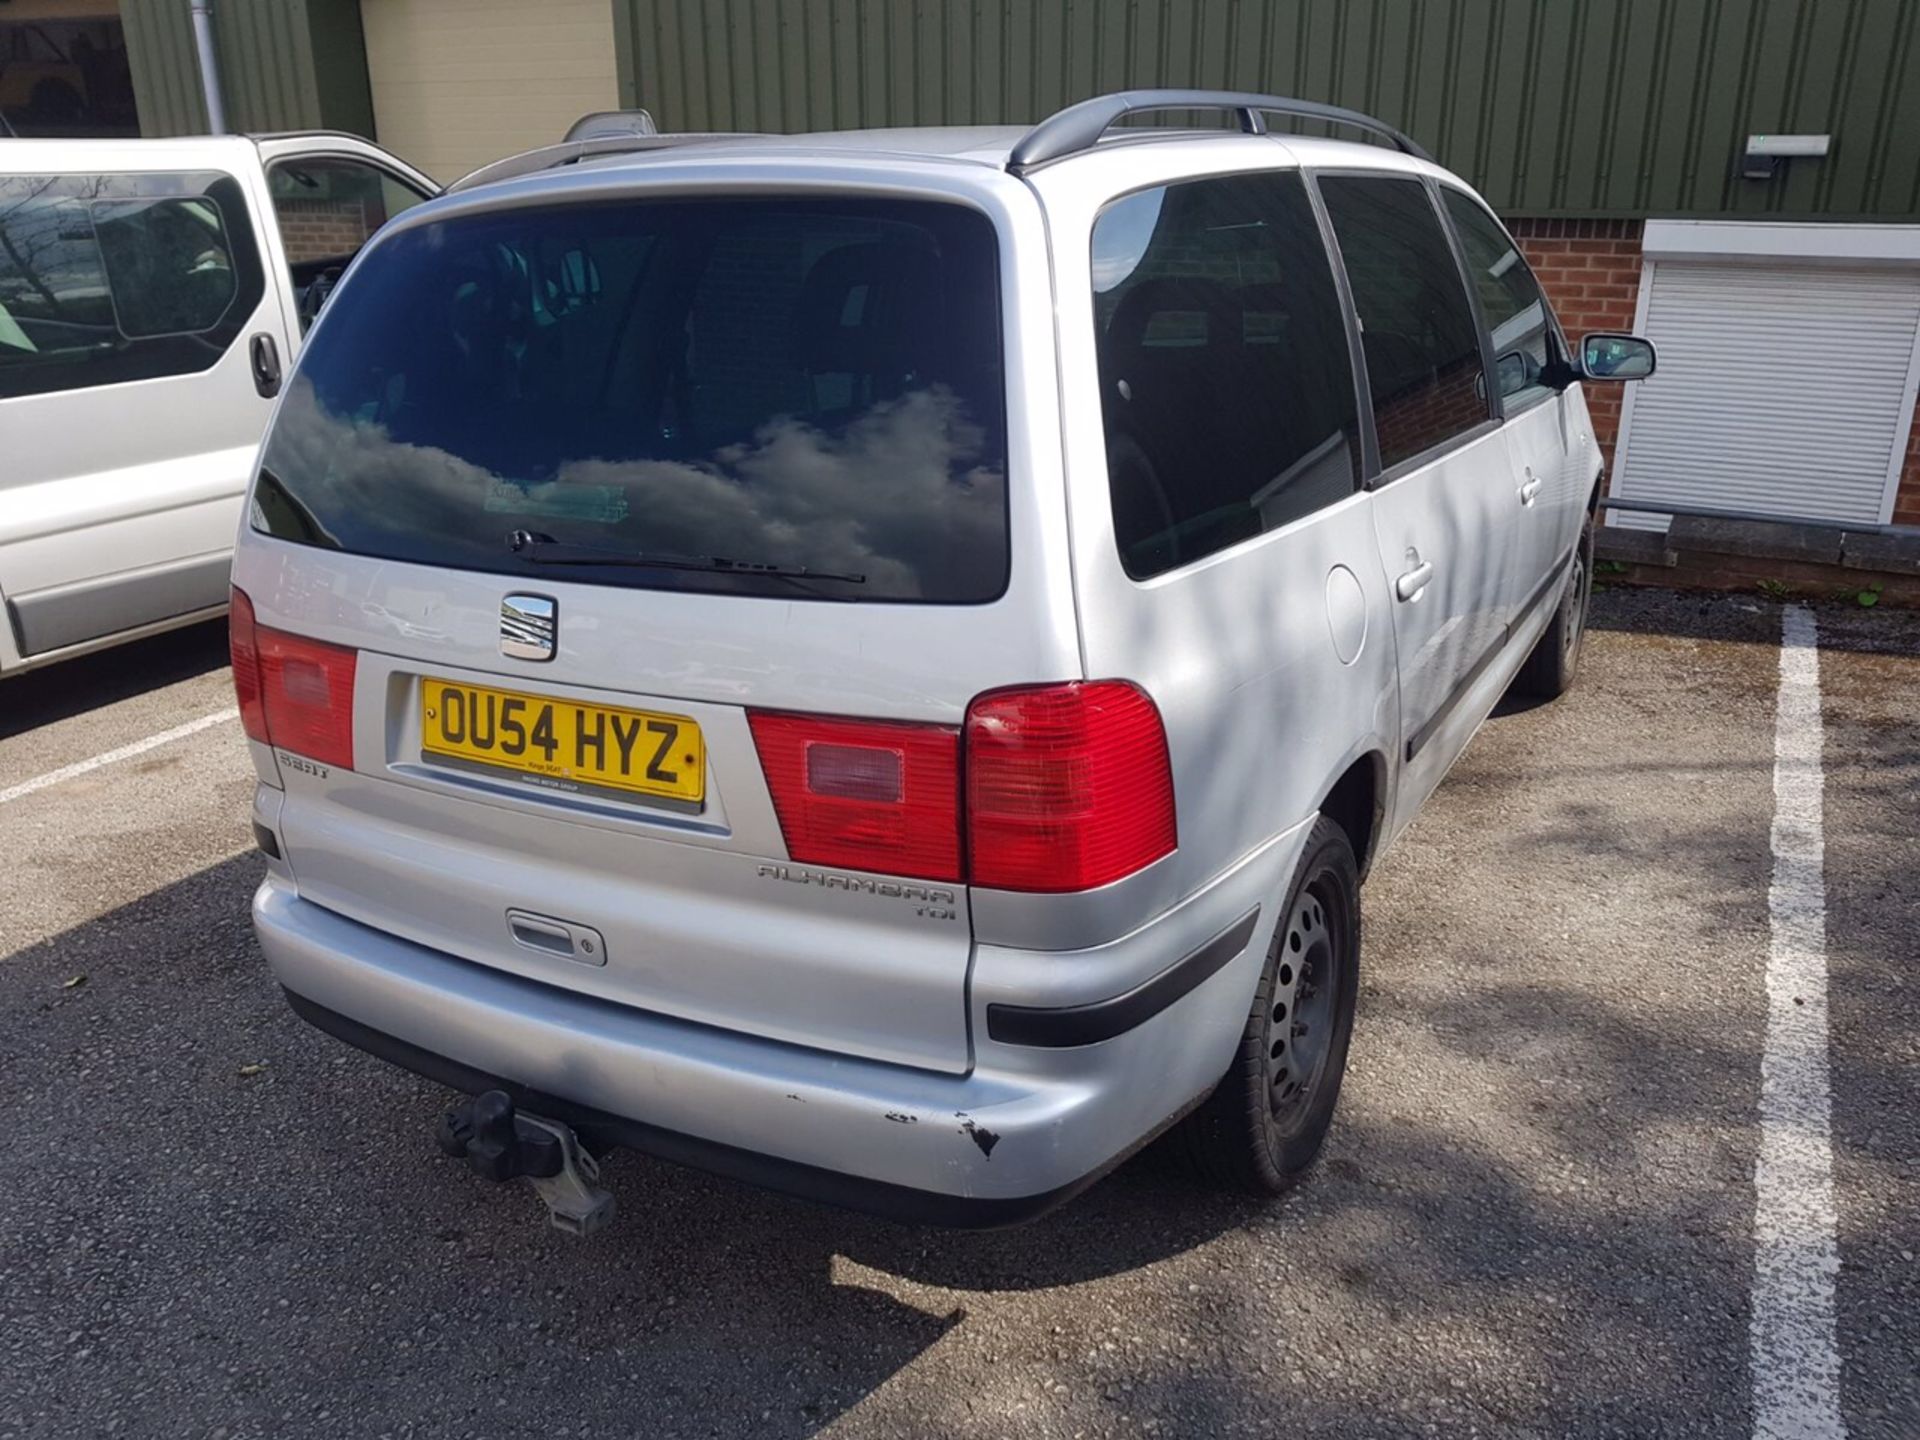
499 1142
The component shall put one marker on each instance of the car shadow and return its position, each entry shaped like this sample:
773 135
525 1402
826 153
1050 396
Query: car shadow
71 687
201 1182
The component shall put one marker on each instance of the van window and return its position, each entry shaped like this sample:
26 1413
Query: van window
326 208
105 279
1516 314
1226 383
1418 332
167 265
329 206
716 385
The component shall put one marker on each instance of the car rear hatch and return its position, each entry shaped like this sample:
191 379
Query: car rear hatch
619 575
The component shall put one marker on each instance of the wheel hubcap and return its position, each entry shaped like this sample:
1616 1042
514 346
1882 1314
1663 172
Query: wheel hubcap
1300 1016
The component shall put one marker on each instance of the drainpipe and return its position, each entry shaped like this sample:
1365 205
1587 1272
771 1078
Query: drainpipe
209 66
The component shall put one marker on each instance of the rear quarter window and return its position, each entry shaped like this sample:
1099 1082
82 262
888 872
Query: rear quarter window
811 384
1226 382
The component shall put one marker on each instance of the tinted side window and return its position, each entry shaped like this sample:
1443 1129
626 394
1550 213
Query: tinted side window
1226 384
1417 327
110 278
1524 342
168 268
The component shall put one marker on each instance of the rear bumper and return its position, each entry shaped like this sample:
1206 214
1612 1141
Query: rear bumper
599 1129
1023 1130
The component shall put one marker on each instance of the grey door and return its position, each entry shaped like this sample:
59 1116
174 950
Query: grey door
1545 428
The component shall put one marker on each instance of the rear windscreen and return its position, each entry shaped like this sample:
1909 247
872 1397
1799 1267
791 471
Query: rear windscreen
719 385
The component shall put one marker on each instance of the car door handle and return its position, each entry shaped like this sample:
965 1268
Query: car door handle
1414 581
1530 491
266 365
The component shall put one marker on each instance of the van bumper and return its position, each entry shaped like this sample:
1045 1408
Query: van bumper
1024 1130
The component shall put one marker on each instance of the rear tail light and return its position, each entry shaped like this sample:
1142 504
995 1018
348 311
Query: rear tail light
244 649
1067 787
868 795
294 694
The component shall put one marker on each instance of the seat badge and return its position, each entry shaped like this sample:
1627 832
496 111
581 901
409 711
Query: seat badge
529 627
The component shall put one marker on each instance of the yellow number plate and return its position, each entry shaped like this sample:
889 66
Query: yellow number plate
564 742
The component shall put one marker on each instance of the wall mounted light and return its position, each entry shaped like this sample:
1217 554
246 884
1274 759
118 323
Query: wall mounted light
1765 152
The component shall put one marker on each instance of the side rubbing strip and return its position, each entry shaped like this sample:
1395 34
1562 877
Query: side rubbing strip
1103 1019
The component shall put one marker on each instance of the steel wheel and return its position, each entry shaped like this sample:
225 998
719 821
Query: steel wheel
1573 615
1300 1018
1266 1120
1548 672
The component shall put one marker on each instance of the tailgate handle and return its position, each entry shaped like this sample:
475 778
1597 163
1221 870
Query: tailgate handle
557 937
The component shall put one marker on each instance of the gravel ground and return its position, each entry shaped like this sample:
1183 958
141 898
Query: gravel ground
1534 1218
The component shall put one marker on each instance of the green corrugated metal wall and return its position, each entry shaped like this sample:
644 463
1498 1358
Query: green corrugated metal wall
284 65
1552 107
343 88
166 81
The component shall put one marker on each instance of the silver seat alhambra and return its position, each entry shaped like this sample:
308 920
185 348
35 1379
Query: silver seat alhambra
876 663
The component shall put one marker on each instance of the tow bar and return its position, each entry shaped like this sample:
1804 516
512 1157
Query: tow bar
499 1142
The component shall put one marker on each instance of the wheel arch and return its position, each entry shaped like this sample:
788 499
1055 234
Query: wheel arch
1357 803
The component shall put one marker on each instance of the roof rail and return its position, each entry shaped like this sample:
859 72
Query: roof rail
1079 127
569 152
612 122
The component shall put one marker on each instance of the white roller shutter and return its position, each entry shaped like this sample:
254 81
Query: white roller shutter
1782 389
457 83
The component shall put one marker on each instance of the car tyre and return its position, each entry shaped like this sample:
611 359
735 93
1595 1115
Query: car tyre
1265 1122
1549 671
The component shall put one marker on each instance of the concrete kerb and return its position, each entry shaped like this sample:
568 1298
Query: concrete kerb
1815 561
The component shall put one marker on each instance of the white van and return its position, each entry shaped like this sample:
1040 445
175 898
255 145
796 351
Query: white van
151 293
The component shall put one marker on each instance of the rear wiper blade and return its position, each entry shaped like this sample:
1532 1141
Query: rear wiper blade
545 550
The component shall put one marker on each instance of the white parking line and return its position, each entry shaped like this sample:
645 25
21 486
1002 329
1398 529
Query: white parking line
1795 1348
125 752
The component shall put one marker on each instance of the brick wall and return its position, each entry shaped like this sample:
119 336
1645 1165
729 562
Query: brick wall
1590 270
1906 500
323 229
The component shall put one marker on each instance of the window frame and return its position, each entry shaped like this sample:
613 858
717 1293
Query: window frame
1557 334
1380 476
1369 462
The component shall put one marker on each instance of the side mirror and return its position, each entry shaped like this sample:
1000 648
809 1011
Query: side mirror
1605 356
